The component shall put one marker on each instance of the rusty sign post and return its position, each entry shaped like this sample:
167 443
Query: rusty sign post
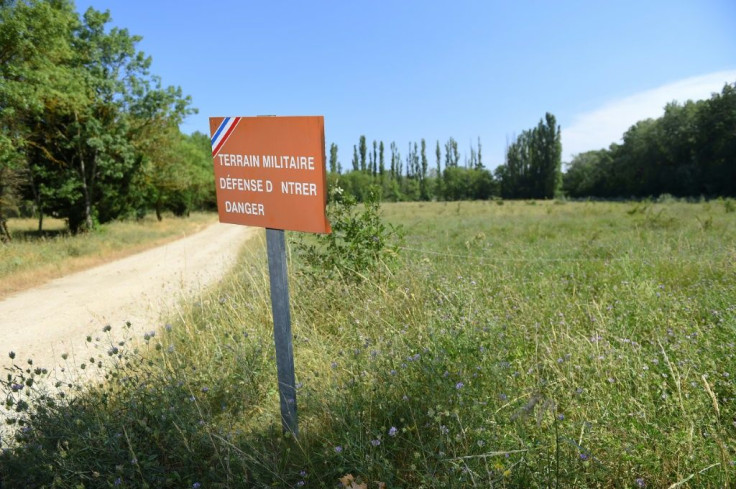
270 172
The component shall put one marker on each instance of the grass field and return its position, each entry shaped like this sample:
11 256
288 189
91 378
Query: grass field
32 258
513 344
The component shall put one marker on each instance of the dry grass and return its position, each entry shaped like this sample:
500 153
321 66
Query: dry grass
34 258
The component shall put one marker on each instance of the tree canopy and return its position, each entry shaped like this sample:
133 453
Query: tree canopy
87 132
690 151
533 163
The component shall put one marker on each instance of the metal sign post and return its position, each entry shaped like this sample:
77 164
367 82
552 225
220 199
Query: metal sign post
276 249
270 173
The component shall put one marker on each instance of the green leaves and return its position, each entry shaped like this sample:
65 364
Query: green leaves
359 240
533 163
79 113
688 152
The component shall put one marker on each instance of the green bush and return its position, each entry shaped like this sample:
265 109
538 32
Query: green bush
359 242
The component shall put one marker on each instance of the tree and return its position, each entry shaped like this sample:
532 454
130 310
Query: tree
533 163
333 158
35 75
586 174
547 158
687 152
395 161
715 143
423 185
102 121
362 149
111 138
381 160
452 157
438 154
356 164
479 166
374 159
178 174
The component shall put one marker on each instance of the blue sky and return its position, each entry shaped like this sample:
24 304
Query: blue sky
405 70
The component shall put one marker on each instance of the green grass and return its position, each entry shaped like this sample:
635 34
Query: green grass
523 344
32 258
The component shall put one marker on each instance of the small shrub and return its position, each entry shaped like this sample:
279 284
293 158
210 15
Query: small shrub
729 205
359 241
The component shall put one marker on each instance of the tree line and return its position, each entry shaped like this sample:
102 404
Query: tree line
532 169
690 151
87 132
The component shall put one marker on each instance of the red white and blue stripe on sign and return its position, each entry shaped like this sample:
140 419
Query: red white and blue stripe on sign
226 128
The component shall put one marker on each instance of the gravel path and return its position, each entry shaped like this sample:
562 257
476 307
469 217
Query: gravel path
55 318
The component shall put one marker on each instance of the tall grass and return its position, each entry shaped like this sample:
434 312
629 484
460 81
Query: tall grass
526 344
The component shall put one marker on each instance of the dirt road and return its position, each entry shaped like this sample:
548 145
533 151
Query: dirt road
55 318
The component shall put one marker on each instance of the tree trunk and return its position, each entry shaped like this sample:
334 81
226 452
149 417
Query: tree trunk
85 192
36 199
4 233
159 206
4 190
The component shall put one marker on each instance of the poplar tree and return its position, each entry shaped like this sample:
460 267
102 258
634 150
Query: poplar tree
333 158
423 190
452 156
533 163
371 163
381 162
374 164
438 154
479 165
362 149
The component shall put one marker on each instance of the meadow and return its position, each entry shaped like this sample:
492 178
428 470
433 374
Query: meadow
508 345
32 258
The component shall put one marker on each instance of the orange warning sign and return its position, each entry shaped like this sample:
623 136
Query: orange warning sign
270 172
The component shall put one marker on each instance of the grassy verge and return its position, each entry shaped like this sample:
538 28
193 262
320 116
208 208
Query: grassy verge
32 258
515 345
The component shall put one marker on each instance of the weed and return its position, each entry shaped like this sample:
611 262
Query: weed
359 240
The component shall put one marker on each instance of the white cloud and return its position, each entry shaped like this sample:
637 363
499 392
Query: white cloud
607 124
